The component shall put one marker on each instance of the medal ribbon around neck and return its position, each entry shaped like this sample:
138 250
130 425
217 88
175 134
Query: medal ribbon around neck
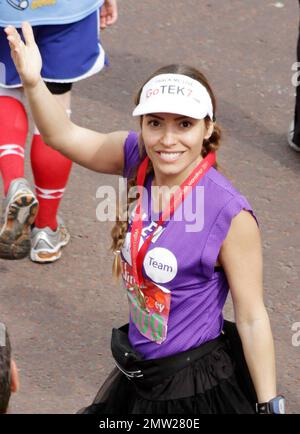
176 199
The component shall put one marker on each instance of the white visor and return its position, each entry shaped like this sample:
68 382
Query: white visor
175 93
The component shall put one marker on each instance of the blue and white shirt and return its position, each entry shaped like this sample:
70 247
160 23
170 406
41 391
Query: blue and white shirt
41 12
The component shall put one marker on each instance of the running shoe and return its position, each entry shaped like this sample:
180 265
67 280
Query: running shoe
290 138
19 210
46 244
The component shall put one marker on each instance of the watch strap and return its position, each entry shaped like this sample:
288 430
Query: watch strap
274 406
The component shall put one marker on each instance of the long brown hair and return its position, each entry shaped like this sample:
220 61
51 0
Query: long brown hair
212 144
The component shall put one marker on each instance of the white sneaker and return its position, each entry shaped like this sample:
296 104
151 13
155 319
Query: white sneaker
46 244
20 208
290 138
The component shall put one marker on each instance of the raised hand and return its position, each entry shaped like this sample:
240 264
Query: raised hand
26 56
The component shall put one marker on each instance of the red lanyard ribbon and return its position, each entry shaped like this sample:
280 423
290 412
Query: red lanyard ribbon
137 256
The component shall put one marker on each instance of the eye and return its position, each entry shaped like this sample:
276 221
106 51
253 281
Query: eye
186 124
154 123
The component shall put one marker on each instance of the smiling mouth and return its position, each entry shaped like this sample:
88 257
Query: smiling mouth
170 156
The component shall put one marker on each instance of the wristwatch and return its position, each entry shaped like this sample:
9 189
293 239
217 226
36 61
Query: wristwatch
274 406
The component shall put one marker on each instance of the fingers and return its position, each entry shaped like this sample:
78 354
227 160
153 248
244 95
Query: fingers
102 20
13 37
28 33
113 16
17 46
12 32
107 20
111 19
108 14
9 30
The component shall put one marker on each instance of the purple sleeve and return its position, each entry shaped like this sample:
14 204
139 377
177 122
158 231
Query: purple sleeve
131 154
219 232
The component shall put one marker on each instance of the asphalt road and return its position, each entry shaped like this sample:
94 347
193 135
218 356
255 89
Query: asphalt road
60 316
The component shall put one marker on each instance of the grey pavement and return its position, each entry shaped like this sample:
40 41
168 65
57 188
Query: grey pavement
60 316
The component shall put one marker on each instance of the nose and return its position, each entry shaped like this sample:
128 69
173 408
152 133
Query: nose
168 138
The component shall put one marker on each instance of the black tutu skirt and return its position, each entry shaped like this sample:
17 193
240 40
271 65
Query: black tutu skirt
205 380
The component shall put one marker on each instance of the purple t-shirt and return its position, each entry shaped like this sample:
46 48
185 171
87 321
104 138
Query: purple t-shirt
187 291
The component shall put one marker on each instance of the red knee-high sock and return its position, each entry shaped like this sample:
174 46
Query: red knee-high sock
51 171
13 133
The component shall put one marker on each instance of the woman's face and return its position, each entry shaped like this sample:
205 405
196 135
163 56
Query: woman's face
174 142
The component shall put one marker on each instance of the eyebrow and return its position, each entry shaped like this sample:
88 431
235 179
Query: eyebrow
162 119
154 116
